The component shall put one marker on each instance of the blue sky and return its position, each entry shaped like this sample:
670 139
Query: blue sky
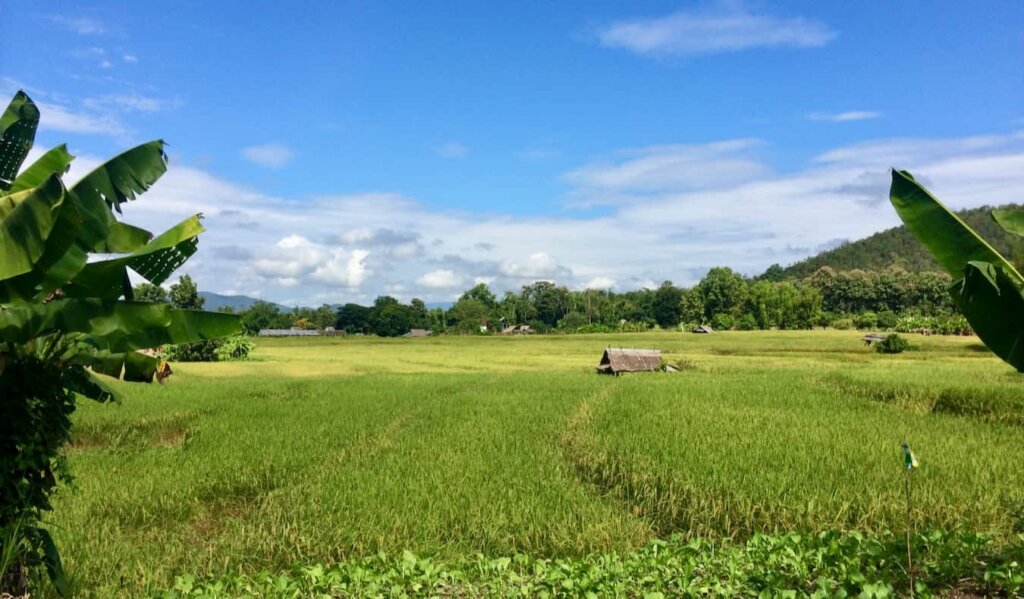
345 150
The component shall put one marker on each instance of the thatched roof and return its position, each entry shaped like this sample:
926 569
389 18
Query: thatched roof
616 360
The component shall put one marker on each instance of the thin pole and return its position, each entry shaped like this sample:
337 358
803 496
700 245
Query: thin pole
910 563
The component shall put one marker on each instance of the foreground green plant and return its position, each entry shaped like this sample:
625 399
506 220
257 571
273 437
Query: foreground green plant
987 288
892 344
829 564
65 320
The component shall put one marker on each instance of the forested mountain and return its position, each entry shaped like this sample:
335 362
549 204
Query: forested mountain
897 247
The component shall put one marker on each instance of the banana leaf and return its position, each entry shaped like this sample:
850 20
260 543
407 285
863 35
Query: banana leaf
26 220
55 162
1011 220
951 242
79 380
993 304
115 326
122 178
17 133
155 261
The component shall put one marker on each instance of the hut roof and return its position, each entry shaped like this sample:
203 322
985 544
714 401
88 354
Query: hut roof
287 333
617 359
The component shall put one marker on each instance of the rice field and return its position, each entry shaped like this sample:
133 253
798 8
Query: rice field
333 449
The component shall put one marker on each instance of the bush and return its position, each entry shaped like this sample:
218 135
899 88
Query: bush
865 320
887 319
234 348
892 344
212 350
747 322
842 324
200 351
722 322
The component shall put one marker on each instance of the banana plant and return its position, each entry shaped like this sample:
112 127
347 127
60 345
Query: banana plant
69 324
987 288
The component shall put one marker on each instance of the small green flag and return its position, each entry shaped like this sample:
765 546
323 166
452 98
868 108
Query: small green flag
909 459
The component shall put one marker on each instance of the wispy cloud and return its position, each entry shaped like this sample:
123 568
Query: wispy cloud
79 25
710 32
452 149
661 168
843 117
130 58
129 103
59 118
268 155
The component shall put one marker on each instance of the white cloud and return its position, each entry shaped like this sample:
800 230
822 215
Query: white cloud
843 117
55 117
440 279
670 167
268 155
295 258
730 30
130 58
538 265
341 248
128 103
452 149
599 283
80 25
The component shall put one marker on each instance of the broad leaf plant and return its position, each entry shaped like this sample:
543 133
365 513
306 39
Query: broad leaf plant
69 324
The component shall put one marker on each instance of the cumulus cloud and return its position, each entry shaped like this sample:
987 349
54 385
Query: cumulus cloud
536 266
599 283
268 155
843 117
440 279
710 32
340 248
294 259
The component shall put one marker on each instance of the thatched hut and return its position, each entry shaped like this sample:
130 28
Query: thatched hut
617 360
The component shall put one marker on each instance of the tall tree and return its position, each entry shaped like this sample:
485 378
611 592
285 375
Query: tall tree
148 292
185 294
667 306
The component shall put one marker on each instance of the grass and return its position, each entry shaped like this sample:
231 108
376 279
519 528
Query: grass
331 450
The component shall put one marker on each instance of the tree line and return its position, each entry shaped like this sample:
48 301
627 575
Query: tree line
723 299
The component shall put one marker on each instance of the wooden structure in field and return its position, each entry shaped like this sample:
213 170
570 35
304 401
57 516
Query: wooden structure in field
617 360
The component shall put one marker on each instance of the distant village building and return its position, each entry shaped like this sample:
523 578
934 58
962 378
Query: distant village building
617 360
288 333
518 329
418 333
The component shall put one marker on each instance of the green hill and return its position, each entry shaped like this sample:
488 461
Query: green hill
897 247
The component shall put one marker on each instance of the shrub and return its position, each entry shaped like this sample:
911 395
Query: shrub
200 351
747 322
722 322
842 324
892 344
865 320
234 348
887 319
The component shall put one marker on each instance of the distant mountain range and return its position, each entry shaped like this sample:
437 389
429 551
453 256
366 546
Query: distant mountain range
216 301
897 247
